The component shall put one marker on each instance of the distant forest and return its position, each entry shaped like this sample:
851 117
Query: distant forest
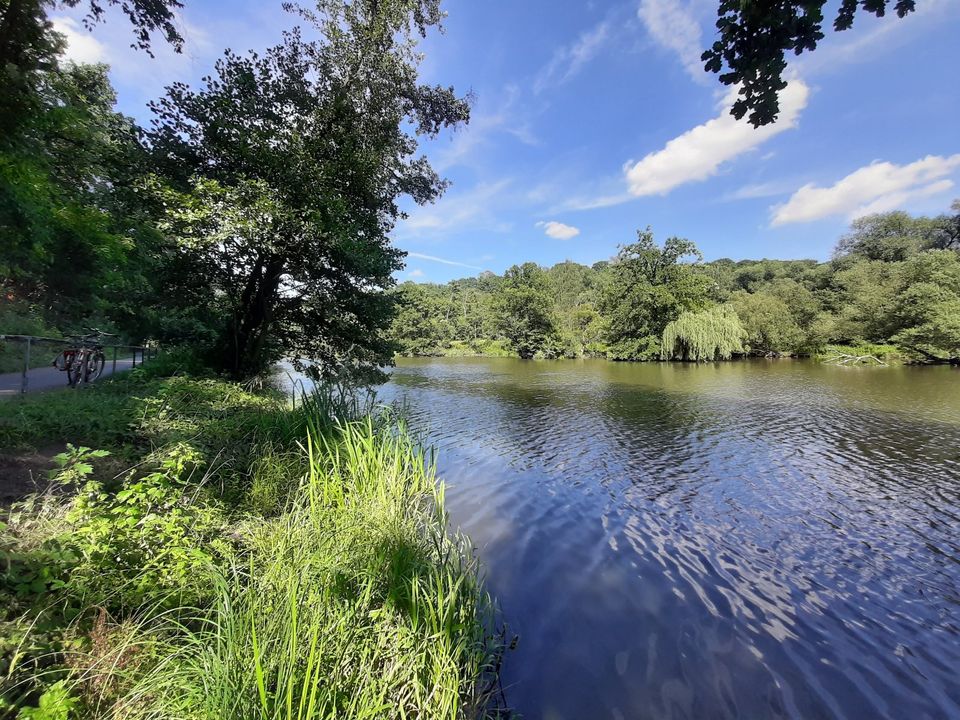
893 280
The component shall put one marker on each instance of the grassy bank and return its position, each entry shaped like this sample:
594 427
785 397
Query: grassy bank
224 555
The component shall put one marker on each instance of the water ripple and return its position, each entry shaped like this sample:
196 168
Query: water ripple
742 540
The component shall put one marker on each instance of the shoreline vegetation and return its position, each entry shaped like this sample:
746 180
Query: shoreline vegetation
865 354
204 551
891 292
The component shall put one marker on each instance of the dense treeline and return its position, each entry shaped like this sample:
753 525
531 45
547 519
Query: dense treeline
251 219
894 279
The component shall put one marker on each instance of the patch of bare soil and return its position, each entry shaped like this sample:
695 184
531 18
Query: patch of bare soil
25 472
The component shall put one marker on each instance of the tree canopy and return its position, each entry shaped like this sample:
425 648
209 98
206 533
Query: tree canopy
755 36
891 281
252 218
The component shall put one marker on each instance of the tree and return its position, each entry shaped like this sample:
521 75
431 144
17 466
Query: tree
927 307
754 35
525 312
768 323
862 297
29 46
70 220
310 146
890 237
711 334
418 327
646 288
946 234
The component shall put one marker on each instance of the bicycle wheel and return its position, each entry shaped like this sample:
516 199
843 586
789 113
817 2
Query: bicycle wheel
95 363
75 368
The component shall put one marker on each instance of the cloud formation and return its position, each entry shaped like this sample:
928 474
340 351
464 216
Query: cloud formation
444 261
567 61
473 208
415 273
82 47
673 26
878 187
699 153
558 230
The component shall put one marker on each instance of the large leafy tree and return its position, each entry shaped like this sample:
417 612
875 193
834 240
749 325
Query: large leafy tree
756 34
312 144
647 287
892 236
525 312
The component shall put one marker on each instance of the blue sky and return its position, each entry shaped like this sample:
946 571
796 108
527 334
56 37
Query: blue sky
593 119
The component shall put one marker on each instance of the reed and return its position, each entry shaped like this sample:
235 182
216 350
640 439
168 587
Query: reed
345 596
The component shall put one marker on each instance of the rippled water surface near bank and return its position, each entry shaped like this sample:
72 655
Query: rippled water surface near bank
743 540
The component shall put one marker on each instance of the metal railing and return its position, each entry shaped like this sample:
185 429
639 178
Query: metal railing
146 352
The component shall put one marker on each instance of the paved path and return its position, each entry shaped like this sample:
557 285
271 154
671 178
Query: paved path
48 378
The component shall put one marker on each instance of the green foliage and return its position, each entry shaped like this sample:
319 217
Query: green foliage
712 334
646 288
288 168
754 36
151 538
326 586
357 574
892 280
525 312
56 703
768 323
73 233
419 326
927 307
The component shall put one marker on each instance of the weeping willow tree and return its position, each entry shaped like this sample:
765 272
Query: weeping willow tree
712 334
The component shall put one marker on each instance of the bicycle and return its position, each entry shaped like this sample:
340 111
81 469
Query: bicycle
84 362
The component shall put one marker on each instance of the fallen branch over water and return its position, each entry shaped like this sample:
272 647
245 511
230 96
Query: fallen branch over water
846 359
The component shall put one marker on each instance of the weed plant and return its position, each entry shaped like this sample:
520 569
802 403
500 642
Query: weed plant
252 559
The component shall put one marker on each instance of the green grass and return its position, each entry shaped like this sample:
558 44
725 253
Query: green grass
235 557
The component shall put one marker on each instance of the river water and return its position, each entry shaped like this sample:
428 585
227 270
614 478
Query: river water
769 539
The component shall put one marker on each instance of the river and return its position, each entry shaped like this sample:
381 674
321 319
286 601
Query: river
762 539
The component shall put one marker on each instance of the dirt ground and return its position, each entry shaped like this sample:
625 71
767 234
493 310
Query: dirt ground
25 472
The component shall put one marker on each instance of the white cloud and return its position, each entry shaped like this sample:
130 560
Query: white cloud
470 209
698 153
415 273
567 61
558 230
673 26
82 47
444 261
759 190
467 141
878 187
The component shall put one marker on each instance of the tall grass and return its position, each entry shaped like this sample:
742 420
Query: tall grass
344 596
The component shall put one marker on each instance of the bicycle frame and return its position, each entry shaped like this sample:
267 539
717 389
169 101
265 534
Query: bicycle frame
76 361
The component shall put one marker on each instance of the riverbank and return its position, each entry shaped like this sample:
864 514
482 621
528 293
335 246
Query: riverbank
208 552
855 354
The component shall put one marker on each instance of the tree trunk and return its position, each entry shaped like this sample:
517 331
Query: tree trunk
251 324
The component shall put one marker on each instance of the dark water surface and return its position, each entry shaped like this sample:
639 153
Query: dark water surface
772 539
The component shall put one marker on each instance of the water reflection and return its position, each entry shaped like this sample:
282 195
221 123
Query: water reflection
742 540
